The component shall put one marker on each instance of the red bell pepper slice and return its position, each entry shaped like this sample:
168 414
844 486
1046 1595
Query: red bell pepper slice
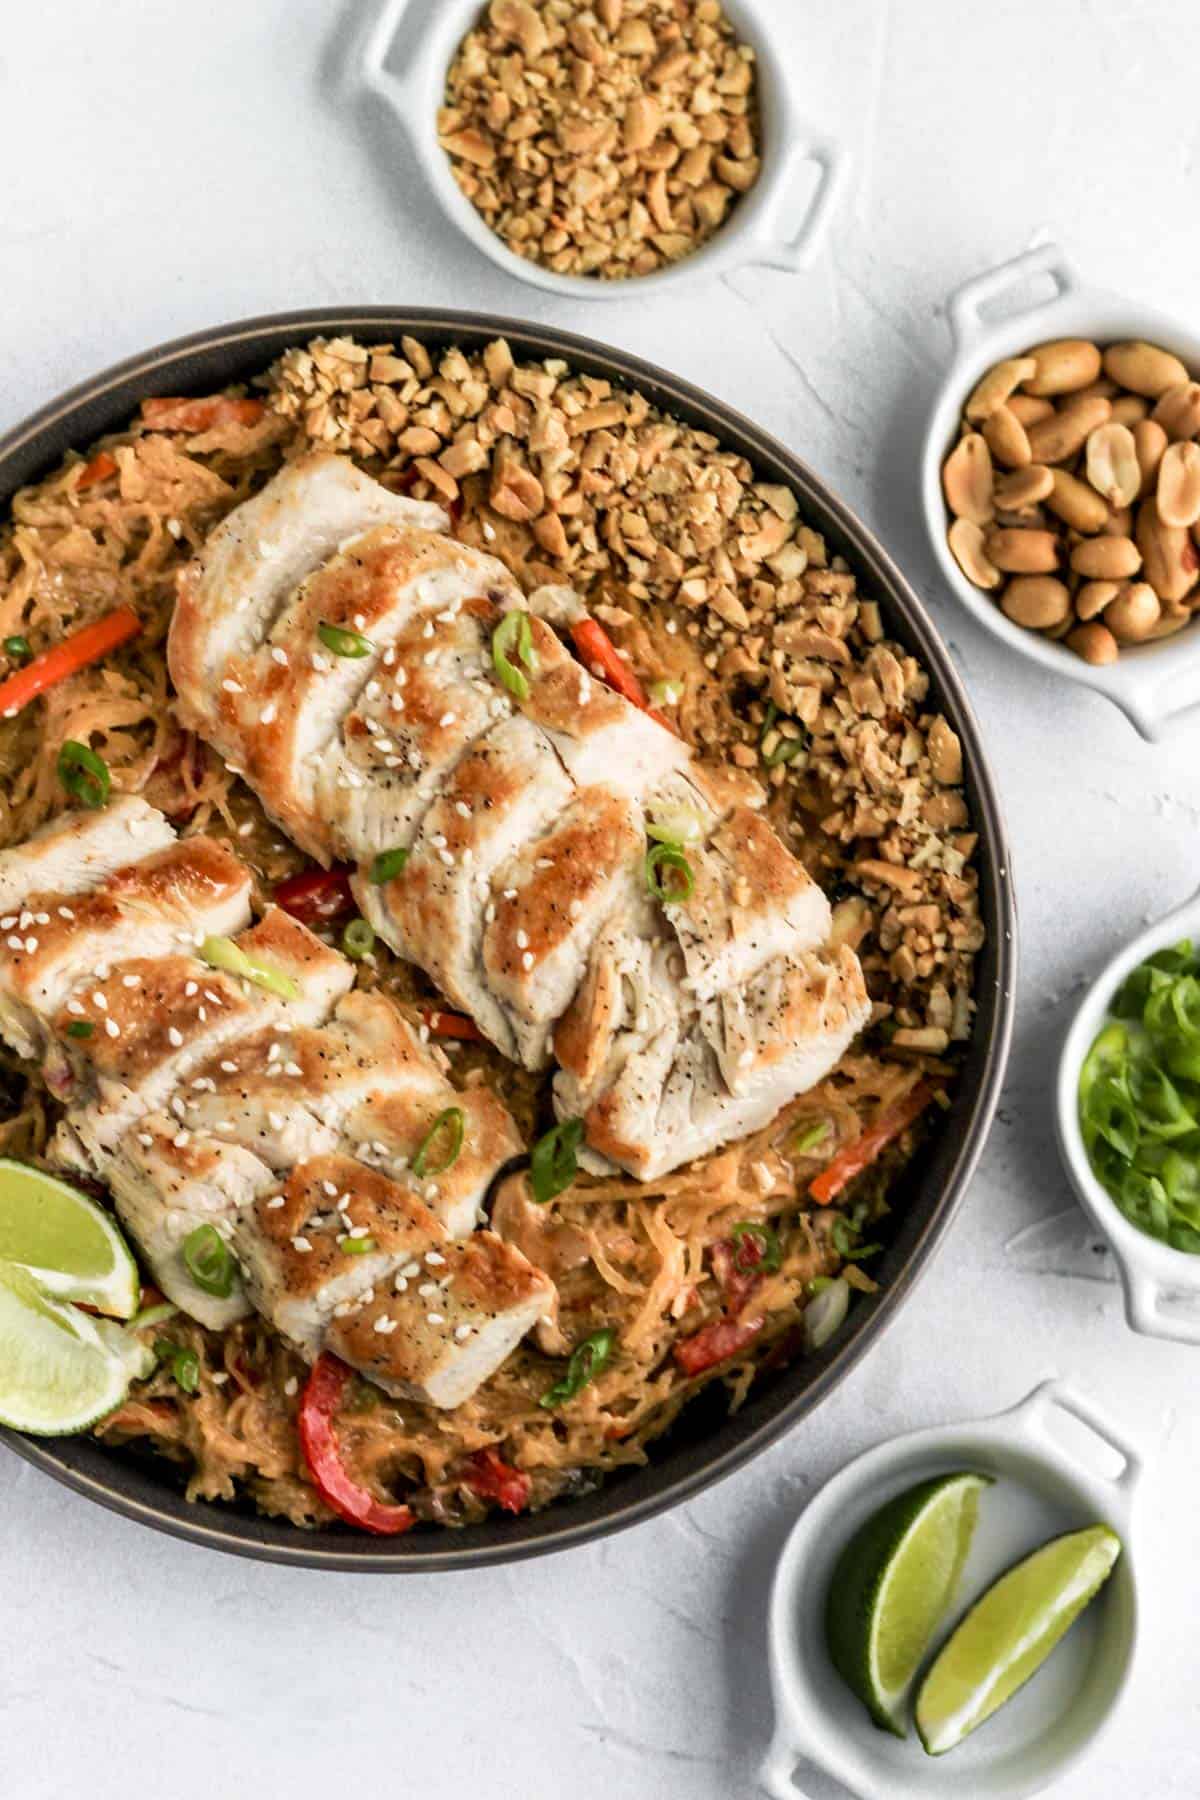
318 1439
737 1280
316 895
494 1479
453 1025
602 657
100 468
715 1343
859 1155
200 415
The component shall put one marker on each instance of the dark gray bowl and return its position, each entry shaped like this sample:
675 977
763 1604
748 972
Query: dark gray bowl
705 1444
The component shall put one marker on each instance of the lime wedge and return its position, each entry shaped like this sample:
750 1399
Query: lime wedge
891 1585
70 1246
1009 1633
60 1370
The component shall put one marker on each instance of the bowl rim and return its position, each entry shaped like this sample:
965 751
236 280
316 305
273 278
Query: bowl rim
1150 683
234 351
1150 1271
748 235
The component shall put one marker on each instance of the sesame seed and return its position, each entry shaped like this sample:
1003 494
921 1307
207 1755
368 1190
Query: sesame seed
510 893
8 923
174 1036
434 1258
329 1187
229 1068
275 1203
131 981
522 940
112 1028
279 655
190 988
384 1326
527 960
436 1318
145 1139
31 944
426 1288
302 1245
461 1333
292 1068
232 687
267 715
291 1386
99 1000
180 1139
73 1006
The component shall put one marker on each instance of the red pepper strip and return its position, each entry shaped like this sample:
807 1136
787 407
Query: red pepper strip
200 415
316 895
74 653
493 1479
100 468
736 1282
863 1151
715 1343
601 657
318 1439
454 1025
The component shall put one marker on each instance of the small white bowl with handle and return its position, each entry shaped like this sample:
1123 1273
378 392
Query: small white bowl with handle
1046 1483
1151 683
1159 1281
753 232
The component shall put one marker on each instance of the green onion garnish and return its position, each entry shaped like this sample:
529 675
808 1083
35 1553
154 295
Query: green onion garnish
514 633
153 1315
678 825
80 1028
223 953
587 1360
448 1126
552 1161
358 940
804 1141
208 1261
388 864
818 1284
342 641
17 649
669 875
84 774
845 1237
784 751
184 1364
766 1258
666 693
356 1246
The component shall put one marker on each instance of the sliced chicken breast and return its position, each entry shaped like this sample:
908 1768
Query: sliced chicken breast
76 851
446 1321
388 1130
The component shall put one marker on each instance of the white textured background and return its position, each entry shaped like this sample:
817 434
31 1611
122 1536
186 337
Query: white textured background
168 165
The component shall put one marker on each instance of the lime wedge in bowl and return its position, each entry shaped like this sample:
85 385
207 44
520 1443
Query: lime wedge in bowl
60 1369
891 1585
1009 1633
71 1247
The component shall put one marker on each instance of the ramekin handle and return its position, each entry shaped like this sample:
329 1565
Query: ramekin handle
1146 1314
965 304
833 173
1035 1413
1150 706
777 1773
377 42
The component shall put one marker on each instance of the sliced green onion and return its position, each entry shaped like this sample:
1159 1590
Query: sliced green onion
770 1254
84 774
514 633
677 887
448 1125
208 1261
667 693
587 1360
785 750
153 1315
388 864
358 940
845 1238
826 1312
184 1364
223 953
553 1164
677 825
357 1246
344 642
80 1028
818 1284
804 1141
17 649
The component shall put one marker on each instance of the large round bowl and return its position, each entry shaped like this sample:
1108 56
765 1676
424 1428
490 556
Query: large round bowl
705 1444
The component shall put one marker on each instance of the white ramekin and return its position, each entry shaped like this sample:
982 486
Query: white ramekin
752 234
1151 683
1151 1271
1048 1488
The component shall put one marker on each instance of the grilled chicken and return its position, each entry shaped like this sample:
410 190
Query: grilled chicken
517 798
308 1126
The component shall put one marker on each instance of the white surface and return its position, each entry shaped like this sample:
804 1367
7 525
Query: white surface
168 165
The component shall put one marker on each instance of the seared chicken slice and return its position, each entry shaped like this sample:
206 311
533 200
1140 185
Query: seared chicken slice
446 1322
388 1130
77 851
549 901
333 1233
176 896
503 792
231 594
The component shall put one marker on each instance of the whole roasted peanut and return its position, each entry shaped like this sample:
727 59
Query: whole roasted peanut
1106 558
1094 596
1127 409
1134 613
1006 439
1094 642
1019 551
1023 488
1029 408
994 388
966 542
1178 411
1149 441
967 480
1143 368
1063 366
1112 464
1178 491
1076 504
1058 439
1038 602
1172 564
